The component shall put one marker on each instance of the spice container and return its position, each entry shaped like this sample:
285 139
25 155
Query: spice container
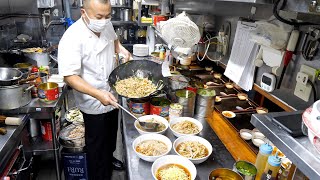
187 99
265 151
175 110
205 102
247 170
272 168
159 106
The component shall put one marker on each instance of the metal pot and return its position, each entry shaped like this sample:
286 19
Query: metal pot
41 58
9 76
23 67
13 97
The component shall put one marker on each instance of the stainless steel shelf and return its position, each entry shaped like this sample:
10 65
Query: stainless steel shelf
249 1
120 23
121 6
301 16
299 150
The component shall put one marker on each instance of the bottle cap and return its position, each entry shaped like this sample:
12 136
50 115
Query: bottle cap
274 161
266 148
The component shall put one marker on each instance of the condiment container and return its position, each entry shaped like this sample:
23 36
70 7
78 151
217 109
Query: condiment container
205 102
160 106
139 107
187 99
247 170
162 53
175 110
272 168
265 151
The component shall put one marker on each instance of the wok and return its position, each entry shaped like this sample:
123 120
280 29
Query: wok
9 76
140 68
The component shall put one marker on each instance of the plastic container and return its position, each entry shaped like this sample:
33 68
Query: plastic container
265 151
272 168
162 53
175 110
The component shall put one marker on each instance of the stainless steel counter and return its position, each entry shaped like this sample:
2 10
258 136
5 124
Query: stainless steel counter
299 150
39 109
10 141
139 169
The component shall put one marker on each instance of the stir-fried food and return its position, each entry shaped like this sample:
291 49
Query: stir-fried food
192 149
134 87
152 148
77 132
185 127
173 172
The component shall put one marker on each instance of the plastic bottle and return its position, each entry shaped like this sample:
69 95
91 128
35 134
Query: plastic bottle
272 168
265 151
162 52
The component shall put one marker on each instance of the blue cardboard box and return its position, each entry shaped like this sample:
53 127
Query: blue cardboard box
75 166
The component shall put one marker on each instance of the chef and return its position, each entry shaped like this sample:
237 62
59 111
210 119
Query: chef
86 59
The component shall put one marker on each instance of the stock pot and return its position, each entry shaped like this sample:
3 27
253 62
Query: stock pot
15 96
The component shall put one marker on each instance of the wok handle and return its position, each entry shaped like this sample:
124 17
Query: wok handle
27 89
26 80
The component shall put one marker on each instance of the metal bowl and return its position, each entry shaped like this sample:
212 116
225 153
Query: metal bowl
224 173
67 142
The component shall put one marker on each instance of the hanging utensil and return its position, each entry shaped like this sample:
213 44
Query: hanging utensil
148 126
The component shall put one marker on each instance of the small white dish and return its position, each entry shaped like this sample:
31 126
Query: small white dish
228 114
245 134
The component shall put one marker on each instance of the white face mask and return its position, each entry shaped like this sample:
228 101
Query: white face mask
96 25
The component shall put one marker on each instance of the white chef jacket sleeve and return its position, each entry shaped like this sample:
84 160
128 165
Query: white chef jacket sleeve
69 55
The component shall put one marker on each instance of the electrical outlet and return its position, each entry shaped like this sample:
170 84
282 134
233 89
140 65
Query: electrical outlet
303 89
310 71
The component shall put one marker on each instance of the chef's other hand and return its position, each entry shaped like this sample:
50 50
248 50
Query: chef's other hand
127 55
107 98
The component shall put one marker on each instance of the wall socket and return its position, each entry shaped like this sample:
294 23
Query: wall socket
303 91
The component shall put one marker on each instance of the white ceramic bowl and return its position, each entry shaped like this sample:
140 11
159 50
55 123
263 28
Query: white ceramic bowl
157 118
179 119
174 159
158 137
197 139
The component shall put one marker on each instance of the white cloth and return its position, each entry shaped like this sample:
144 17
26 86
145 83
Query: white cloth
83 53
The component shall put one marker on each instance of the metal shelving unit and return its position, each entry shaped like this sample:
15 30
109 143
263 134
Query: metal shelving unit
122 6
119 23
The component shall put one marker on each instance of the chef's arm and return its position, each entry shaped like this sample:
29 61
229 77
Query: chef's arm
77 83
120 49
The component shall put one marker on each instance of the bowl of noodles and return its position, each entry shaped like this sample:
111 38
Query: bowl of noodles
173 167
195 148
163 124
183 126
150 147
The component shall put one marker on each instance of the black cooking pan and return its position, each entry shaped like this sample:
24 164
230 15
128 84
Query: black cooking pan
139 68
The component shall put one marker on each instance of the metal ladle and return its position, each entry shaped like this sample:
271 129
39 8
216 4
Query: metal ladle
148 126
